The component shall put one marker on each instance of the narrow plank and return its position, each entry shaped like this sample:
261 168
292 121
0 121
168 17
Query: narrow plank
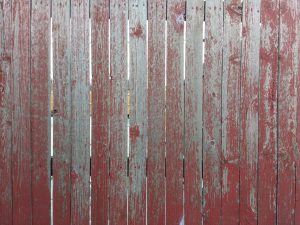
40 111
138 112
156 113
287 101
267 146
80 115
212 114
118 112
175 112
193 113
231 111
100 111
249 111
5 113
62 112
21 130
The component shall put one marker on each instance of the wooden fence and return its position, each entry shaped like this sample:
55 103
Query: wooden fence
210 133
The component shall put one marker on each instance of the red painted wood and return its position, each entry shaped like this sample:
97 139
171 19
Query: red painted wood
287 101
212 127
175 113
118 112
62 112
40 111
231 112
5 113
100 111
267 146
249 111
156 112
193 113
21 129
138 112
80 106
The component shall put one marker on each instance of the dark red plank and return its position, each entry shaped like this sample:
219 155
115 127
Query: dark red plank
40 111
231 111
118 112
193 113
156 112
138 112
62 112
212 114
267 151
100 111
5 113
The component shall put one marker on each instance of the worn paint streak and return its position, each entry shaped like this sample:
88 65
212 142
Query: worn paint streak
137 31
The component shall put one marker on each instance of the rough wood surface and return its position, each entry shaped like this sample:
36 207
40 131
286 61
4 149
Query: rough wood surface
6 209
118 112
62 112
193 113
100 111
267 146
137 112
156 112
212 114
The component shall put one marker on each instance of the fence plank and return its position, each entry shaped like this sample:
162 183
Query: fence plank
80 94
175 112
287 101
118 112
156 112
249 111
193 113
230 111
21 130
138 112
100 110
212 126
267 151
62 112
5 113
40 110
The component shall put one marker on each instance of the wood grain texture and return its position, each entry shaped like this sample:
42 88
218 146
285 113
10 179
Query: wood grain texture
80 106
193 113
267 145
231 112
156 112
212 114
100 111
40 111
62 112
118 112
21 129
175 112
287 100
138 112
6 209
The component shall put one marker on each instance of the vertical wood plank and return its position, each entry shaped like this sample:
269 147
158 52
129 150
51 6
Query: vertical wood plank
5 113
267 145
287 101
21 130
249 111
193 113
118 112
80 94
175 112
62 112
100 110
138 112
231 111
156 112
40 111
212 115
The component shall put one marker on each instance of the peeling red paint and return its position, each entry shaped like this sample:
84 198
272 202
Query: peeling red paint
178 16
137 31
134 133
